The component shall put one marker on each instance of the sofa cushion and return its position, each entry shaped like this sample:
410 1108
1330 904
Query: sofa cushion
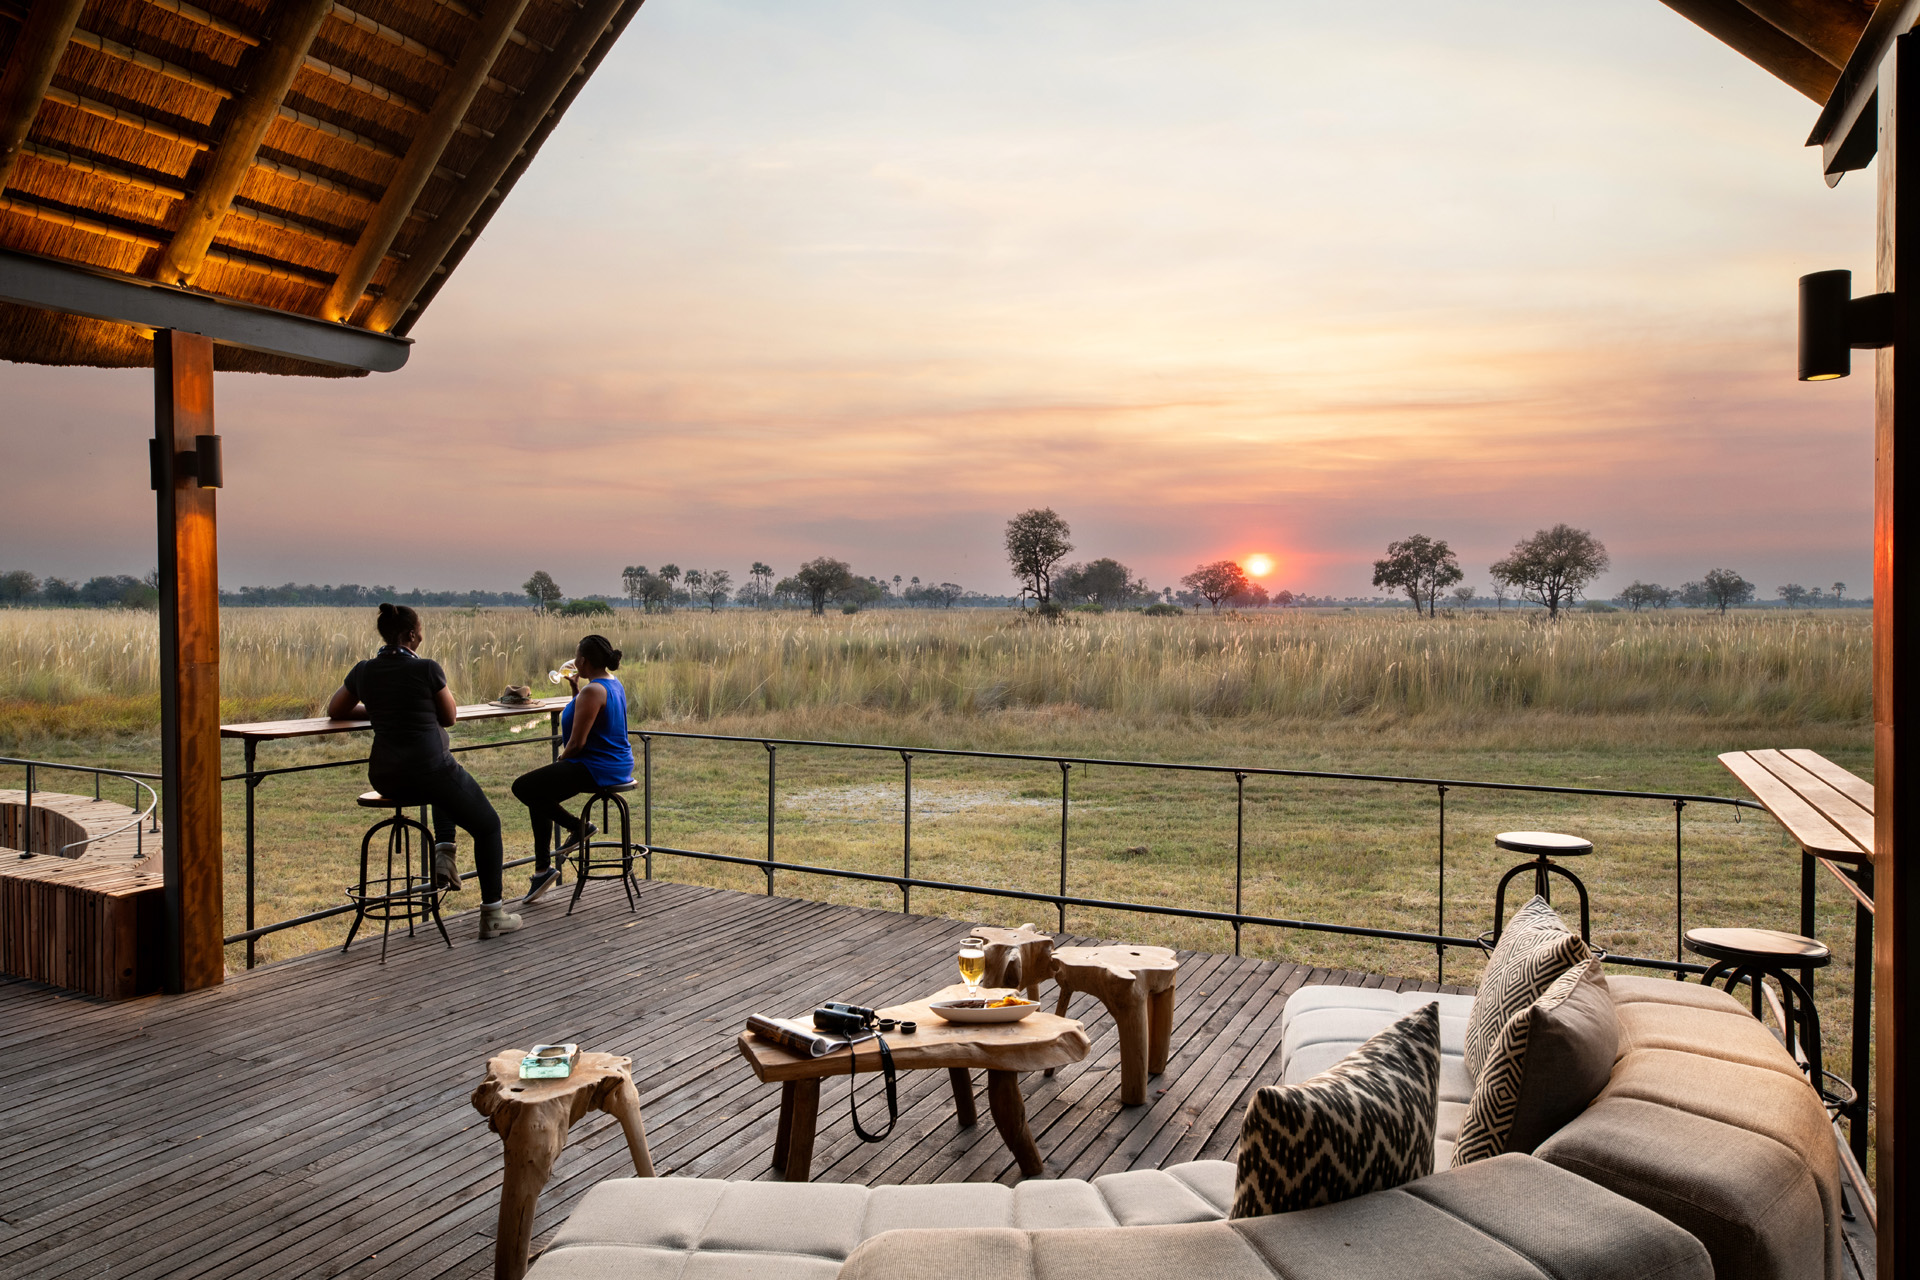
1551 1060
1535 948
985 1204
1364 1125
1152 1197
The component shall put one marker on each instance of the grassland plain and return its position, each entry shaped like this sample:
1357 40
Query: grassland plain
1613 701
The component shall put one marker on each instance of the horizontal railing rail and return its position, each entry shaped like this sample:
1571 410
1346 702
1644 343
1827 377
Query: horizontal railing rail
138 824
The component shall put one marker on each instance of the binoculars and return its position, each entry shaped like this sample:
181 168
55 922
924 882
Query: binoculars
843 1019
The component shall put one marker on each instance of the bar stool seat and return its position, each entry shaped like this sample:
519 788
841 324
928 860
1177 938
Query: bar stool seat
1545 846
1752 955
589 867
403 894
1544 843
1770 946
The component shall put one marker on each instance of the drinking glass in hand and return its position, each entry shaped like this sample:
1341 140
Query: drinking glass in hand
973 966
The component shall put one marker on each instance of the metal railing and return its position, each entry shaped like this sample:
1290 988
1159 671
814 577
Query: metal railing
143 821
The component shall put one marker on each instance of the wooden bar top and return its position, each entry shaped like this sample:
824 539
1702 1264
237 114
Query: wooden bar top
1824 807
268 730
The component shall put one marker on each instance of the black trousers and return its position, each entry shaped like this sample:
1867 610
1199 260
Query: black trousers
457 801
542 790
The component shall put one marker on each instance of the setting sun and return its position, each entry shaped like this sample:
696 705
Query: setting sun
1259 566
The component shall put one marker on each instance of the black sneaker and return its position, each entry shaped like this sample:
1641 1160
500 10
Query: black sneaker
542 881
573 842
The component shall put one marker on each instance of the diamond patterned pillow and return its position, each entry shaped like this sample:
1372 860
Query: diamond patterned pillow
1363 1125
1549 1063
1535 948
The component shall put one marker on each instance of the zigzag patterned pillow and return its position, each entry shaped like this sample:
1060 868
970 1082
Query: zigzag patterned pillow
1363 1125
1551 1060
1535 948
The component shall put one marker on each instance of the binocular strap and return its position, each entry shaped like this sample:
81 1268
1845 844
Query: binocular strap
893 1093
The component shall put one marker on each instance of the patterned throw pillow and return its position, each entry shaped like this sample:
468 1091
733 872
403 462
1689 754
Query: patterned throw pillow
1363 1125
1535 948
1550 1062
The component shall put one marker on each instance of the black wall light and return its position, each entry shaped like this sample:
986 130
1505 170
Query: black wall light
1833 323
202 462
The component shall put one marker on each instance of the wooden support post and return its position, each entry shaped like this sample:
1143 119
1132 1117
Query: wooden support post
1896 690
189 665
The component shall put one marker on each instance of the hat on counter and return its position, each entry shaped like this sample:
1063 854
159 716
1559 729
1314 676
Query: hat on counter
516 695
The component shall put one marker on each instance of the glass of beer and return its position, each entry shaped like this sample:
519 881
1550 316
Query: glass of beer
567 668
973 965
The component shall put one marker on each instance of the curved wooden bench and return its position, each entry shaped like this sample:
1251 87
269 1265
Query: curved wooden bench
90 919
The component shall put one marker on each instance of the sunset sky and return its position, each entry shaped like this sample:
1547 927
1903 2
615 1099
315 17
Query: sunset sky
865 278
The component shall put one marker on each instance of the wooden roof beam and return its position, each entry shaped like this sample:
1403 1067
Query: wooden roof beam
271 71
1761 42
542 91
483 48
23 85
1829 28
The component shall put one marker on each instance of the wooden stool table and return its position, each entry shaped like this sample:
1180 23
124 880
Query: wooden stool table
532 1118
1136 984
1039 1041
1016 958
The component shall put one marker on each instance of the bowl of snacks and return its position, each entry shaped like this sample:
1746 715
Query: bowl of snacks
1007 1008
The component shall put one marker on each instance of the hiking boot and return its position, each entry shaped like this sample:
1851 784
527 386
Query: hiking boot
446 867
496 920
542 881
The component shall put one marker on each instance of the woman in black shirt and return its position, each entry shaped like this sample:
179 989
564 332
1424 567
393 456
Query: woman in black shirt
407 698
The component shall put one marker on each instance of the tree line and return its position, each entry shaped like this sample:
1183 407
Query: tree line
1036 544
818 583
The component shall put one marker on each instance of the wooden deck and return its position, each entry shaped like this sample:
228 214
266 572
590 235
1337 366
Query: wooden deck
311 1118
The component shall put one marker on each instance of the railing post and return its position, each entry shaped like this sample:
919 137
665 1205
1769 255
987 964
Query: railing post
1065 768
1862 1072
771 752
1808 893
26 819
1239 851
1440 948
646 799
553 734
906 837
252 782
1679 897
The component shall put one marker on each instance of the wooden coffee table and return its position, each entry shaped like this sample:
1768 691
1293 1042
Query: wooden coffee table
1003 1050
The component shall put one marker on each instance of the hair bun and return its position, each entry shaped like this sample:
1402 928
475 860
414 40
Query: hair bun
386 608
614 664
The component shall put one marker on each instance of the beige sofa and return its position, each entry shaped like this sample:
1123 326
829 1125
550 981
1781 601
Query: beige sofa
1707 1154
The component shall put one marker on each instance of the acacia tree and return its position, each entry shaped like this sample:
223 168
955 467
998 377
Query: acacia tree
542 590
1036 543
1793 593
715 586
1723 587
1553 566
1221 580
1500 591
1638 595
1463 597
1420 566
1105 582
821 578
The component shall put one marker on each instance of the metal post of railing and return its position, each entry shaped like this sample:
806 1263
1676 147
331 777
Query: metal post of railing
1239 852
1440 948
1062 904
252 782
771 751
26 819
1807 924
646 799
1862 1012
96 786
906 836
1679 895
553 733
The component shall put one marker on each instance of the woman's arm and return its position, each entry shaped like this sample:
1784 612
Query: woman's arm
586 709
343 705
444 709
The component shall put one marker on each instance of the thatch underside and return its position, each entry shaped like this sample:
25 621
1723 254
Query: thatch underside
142 103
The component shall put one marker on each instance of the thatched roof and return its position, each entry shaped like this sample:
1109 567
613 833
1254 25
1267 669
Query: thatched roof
327 159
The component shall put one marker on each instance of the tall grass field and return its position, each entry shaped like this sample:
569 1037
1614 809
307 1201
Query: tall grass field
1615 701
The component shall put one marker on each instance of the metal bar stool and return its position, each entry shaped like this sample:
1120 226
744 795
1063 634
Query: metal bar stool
1542 844
401 894
1751 955
586 866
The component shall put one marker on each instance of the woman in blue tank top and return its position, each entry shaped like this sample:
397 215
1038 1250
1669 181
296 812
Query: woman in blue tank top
597 754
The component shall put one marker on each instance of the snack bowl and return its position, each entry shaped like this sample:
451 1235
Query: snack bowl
954 1011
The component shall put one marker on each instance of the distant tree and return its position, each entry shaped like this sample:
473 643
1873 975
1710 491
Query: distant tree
822 578
1724 587
633 580
1839 591
59 591
1036 543
1815 595
715 586
1215 582
945 594
1694 595
1638 595
1251 596
18 587
692 581
1793 594
1500 591
542 590
1463 597
118 590
1553 566
762 576
1419 566
670 574
1285 598
1105 582
586 607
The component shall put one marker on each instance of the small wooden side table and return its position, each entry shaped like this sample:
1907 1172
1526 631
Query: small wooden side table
1136 984
1020 957
532 1118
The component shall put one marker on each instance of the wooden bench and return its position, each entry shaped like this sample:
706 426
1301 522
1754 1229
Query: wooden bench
89 920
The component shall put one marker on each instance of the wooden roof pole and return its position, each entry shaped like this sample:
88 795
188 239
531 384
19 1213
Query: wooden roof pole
29 71
483 47
272 70
1760 41
538 98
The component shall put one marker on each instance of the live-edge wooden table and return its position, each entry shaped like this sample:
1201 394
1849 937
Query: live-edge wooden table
1004 1050
1828 811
